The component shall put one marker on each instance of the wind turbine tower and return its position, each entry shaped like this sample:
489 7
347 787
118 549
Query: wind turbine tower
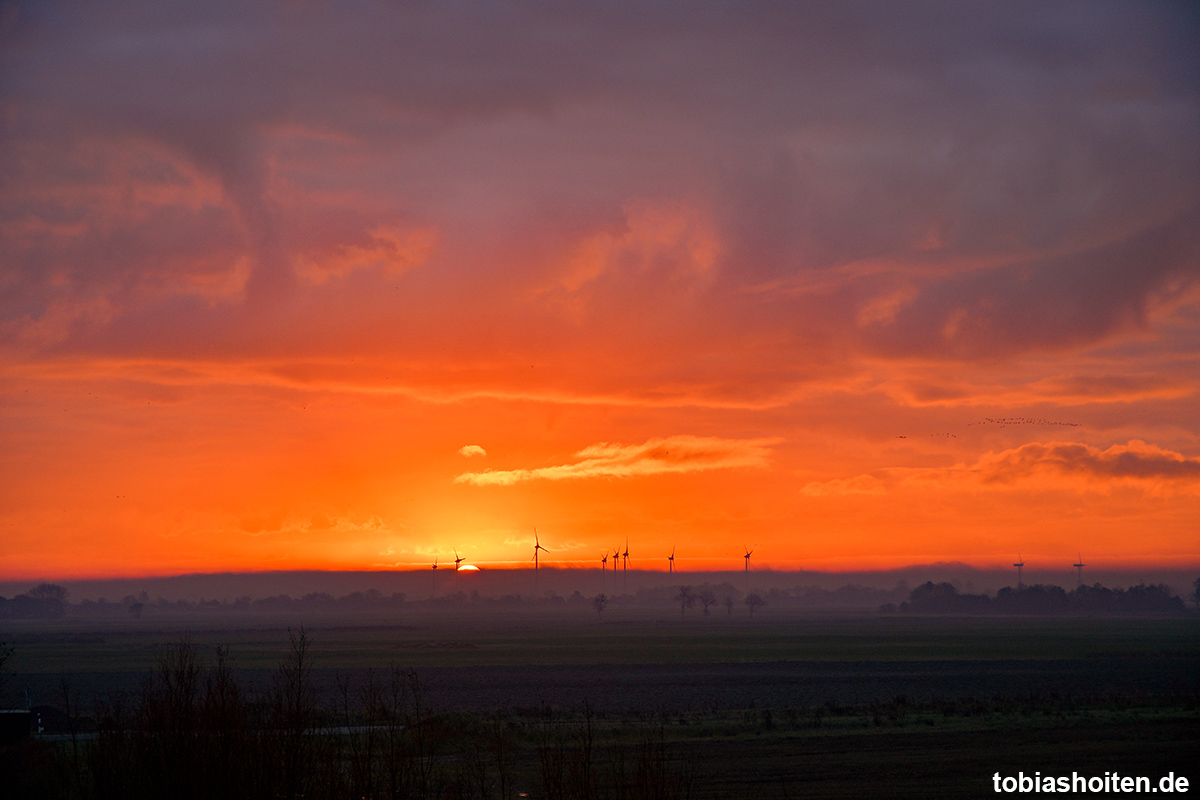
457 560
434 579
1020 563
625 571
671 561
1079 565
603 568
537 545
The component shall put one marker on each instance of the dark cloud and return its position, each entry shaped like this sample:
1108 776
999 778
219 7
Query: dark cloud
1021 177
1137 460
1052 302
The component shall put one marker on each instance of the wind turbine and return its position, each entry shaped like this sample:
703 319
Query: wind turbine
434 578
1079 569
671 561
537 545
1020 563
749 553
603 568
457 560
625 571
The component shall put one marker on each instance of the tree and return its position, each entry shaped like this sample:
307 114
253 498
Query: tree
47 600
707 599
295 707
1196 593
598 603
754 602
6 653
729 604
685 598
49 591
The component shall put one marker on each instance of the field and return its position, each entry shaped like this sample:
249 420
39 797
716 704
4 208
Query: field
782 706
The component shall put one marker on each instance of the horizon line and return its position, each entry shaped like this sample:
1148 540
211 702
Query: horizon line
589 566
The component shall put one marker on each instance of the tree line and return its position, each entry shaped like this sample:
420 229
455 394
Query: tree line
1039 599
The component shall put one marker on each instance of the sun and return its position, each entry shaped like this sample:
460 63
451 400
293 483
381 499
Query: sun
468 568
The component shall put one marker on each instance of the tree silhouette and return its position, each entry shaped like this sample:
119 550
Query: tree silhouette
6 653
707 599
43 600
729 604
685 598
754 602
1196 593
49 591
293 697
598 603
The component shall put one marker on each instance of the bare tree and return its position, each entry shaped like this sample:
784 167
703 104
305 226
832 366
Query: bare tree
6 653
598 603
707 599
729 604
170 718
295 707
685 598
754 602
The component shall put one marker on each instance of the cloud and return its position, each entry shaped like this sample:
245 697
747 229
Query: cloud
393 249
672 454
468 450
1062 301
1045 464
1015 195
1133 461
859 484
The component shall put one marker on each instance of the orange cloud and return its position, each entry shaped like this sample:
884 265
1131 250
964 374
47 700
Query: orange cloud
245 328
859 484
1136 461
393 249
672 454
679 239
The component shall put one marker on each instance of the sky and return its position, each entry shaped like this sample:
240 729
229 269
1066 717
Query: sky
302 285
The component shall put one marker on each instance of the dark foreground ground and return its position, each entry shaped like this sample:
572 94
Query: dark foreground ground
920 764
900 750
689 688
785 708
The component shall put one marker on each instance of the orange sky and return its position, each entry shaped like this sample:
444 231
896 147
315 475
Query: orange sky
287 290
